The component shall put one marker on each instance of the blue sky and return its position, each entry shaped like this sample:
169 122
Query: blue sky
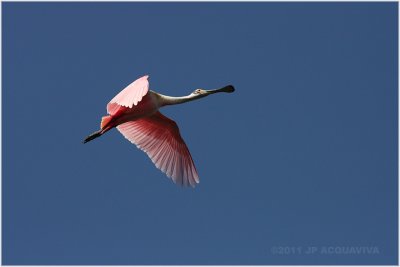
304 153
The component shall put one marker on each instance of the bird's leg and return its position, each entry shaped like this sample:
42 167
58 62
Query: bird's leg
93 136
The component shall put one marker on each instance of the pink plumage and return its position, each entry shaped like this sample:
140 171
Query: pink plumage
130 95
159 137
134 112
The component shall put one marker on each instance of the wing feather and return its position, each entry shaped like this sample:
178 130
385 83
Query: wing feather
130 95
159 137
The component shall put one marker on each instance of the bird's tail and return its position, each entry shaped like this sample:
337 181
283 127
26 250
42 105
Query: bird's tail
93 136
105 120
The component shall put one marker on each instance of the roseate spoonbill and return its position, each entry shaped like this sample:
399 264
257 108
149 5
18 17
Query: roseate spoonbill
134 112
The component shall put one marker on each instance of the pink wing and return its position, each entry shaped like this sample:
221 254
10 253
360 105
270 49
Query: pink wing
159 137
131 95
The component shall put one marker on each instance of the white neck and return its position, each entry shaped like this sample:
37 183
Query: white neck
174 100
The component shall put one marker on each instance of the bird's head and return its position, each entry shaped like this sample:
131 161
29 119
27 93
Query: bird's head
199 92
202 92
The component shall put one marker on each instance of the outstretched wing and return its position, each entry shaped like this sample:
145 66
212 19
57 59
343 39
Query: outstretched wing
159 137
130 95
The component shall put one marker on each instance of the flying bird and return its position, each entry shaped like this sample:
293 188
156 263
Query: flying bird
135 113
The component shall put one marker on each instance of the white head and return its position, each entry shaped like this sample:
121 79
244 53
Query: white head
198 93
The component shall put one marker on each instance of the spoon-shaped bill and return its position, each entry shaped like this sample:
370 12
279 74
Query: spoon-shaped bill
226 89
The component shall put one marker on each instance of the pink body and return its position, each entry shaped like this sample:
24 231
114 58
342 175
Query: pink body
146 107
134 112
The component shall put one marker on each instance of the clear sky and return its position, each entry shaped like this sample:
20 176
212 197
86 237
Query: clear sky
304 153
